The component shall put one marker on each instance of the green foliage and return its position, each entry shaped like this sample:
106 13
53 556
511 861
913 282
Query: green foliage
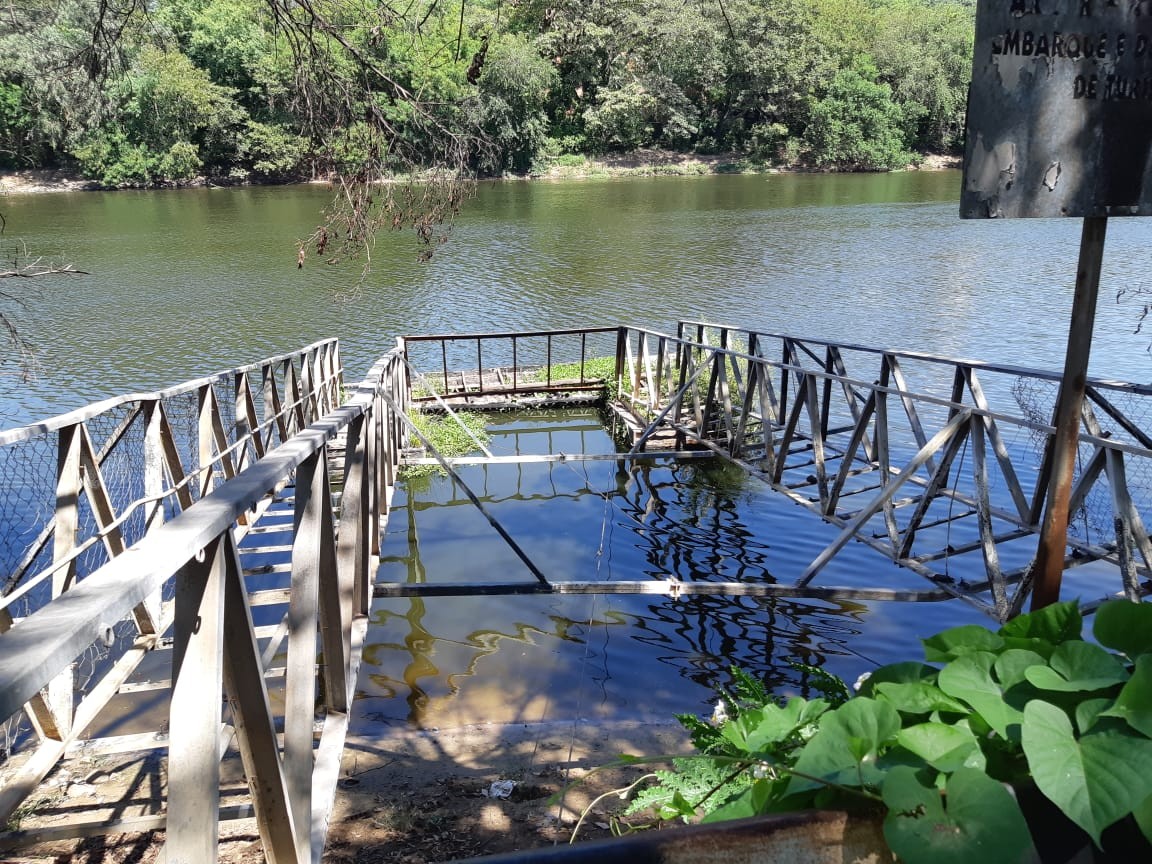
448 436
20 144
595 368
513 88
346 85
857 125
931 746
108 156
272 151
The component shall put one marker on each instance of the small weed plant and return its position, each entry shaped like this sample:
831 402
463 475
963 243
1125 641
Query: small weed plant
940 748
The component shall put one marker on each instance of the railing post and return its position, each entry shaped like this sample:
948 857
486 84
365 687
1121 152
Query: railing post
293 399
337 374
195 711
352 547
252 715
153 463
55 708
313 566
621 351
204 435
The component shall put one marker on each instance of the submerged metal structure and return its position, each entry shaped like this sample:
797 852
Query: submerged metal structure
207 553
892 447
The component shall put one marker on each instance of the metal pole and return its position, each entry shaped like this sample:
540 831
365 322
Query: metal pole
1048 568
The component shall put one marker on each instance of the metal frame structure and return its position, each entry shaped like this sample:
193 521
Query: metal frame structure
890 458
891 447
845 443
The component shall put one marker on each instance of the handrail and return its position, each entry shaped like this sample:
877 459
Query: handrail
195 556
523 334
79 415
927 357
147 445
927 398
52 636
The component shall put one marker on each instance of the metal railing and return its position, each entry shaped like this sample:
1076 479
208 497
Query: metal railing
890 456
509 364
185 585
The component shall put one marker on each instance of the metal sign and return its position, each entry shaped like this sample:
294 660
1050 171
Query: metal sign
1060 110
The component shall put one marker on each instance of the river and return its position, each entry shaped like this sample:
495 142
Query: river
186 282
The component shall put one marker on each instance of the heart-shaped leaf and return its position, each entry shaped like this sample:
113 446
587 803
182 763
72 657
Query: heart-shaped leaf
944 747
1125 626
1056 623
867 724
919 698
899 673
958 641
970 680
977 819
1134 703
1078 667
1013 663
845 749
1089 710
1095 780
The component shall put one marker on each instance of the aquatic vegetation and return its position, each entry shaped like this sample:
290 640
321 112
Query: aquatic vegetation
450 436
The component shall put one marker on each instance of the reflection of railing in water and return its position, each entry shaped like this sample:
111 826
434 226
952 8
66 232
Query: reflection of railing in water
696 638
195 560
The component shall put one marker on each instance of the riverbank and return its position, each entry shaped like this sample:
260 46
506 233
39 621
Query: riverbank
639 163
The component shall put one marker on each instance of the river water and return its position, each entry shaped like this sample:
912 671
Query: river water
184 283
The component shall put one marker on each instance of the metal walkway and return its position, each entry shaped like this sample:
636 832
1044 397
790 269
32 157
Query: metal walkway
220 538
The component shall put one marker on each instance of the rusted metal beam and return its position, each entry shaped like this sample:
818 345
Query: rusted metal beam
1049 564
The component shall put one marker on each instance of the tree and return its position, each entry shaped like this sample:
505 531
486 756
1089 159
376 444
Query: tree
856 124
513 89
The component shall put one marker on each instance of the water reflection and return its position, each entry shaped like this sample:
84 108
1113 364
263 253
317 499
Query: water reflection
450 661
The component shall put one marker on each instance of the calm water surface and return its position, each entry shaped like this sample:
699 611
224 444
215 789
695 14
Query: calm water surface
184 283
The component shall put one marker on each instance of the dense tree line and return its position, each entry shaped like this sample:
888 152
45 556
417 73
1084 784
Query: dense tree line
135 92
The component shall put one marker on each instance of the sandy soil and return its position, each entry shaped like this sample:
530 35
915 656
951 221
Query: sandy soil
417 796
30 182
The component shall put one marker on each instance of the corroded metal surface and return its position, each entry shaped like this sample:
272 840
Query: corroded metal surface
807 837
1060 110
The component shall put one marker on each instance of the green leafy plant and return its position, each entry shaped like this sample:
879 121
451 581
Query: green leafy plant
450 436
592 369
945 750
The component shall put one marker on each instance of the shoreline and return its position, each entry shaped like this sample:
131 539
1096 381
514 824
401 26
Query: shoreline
640 163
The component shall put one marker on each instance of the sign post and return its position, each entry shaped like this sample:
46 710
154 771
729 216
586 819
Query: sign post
1060 125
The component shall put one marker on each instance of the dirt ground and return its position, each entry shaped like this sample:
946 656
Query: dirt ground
419 796
409 796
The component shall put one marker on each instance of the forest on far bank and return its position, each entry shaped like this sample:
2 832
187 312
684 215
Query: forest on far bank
141 92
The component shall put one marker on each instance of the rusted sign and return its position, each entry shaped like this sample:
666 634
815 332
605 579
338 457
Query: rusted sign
1060 110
